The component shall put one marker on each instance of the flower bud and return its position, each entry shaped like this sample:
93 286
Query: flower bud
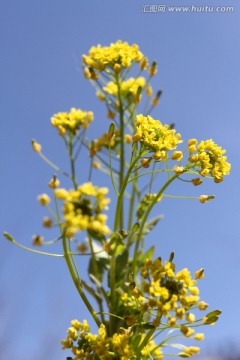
199 274
192 149
178 169
153 69
36 147
111 114
44 199
196 181
149 91
177 155
47 222
145 163
117 68
128 139
37 240
54 182
144 63
199 336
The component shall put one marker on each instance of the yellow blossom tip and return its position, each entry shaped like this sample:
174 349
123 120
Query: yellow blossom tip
37 240
206 198
36 146
44 199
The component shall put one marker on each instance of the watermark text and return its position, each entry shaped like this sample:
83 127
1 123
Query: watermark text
162 8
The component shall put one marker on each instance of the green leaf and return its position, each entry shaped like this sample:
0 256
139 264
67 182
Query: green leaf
116 239
183 355
136 341
143 256
211 320
148 326
213 313
8 236
150 225
135 227
111 131
121 266
101 264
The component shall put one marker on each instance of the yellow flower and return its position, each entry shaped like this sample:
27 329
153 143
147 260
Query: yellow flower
209 159
177 155
72 121
202 305
191 350
76 324
178 169
44 199
155 136
61 194
54 182
186 331
72 332
128 87
190 317
199 336
120 53
128 139
82 209
36 146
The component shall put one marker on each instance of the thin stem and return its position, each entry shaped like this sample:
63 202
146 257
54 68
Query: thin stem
72 162
77 280
50 163
139 236
72 267
122 150
35 251
122 191
131 207
111 171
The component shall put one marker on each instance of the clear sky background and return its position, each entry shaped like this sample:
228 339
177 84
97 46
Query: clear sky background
198 57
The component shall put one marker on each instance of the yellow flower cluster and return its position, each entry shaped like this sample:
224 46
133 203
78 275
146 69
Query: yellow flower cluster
71 121
155 136
85 345
127 87
104 142
209 157
165 294
82 209
120 53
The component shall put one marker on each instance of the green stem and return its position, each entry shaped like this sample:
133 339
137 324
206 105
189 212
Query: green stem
122 152
36 251
72 267
72 162
145 219
112 270
131 207
77 280
50 163
122 191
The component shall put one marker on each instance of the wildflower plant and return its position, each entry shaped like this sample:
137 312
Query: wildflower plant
141 304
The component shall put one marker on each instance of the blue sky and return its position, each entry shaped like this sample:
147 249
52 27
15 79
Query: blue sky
198 57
